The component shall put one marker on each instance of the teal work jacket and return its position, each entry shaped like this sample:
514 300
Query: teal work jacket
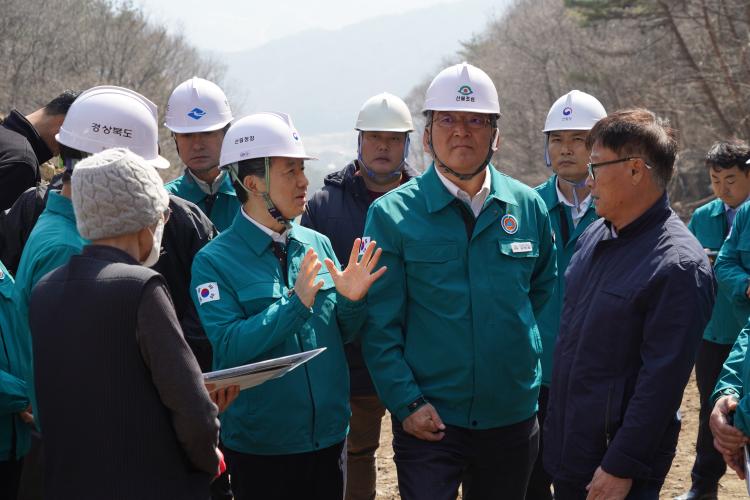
548 319
453 319
709 225
220 207
13 391
732 267
735 375
252 316
51 243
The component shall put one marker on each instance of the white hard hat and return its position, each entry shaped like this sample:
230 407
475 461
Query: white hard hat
575 110
462 87
197 105
384 113
261 135
110 117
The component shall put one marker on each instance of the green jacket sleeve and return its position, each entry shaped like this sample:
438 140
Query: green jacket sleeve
544 278
13 398
730 380
383 336
728 268
237 338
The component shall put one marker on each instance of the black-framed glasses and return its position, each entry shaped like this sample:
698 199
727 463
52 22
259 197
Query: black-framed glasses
593 166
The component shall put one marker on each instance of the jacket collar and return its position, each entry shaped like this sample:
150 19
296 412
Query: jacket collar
548 192
253 236
347 178
717 208
438 197
108 253
16 122
195 190
655 215
60 205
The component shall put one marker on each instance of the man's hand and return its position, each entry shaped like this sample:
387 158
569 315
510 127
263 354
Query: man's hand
354 282
747 292
223 397
727 438
305 287
26 416
425 423
604 486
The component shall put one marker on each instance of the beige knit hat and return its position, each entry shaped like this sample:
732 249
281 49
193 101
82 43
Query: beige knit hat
116 192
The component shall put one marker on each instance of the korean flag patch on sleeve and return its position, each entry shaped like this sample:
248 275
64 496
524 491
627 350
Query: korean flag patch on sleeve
207 292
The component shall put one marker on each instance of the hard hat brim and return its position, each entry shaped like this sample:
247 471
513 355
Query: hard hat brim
197 128
384 129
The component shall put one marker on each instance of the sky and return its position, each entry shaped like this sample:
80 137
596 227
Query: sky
230 25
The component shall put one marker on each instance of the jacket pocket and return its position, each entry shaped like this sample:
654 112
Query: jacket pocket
430 252
613 410
255 297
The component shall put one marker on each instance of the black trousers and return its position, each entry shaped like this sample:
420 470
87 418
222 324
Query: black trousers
10 477
540 483
317 475
709 466
641 490
492 463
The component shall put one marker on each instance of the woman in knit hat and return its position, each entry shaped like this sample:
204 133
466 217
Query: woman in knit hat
121 398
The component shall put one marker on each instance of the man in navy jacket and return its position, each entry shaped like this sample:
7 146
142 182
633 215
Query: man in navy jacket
639 293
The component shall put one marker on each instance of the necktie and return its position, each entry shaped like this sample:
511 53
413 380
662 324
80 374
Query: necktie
279 250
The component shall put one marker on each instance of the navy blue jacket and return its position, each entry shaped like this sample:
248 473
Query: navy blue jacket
633 315
338 211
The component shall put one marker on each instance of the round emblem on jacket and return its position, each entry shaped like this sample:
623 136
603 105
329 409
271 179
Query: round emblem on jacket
509 223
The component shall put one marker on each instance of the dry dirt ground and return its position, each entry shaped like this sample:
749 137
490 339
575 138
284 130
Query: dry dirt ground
677 481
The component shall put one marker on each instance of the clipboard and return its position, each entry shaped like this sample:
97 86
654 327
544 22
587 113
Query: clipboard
254 374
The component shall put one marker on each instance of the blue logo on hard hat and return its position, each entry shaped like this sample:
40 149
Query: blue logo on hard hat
465 90
509 223
296 137
196 113
567 111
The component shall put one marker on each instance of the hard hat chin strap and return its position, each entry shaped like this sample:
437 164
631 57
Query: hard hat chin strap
382 178
272 209
464 177
576 185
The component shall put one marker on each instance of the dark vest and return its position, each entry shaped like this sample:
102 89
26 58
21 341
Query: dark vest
106 432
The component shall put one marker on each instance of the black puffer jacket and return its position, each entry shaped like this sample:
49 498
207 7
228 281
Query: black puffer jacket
338 211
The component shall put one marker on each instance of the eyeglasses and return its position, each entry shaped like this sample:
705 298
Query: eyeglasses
593 166
167 214
472 122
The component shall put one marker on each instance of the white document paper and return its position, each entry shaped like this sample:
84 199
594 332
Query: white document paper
247 376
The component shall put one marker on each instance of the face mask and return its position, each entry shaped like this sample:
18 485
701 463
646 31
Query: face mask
153 256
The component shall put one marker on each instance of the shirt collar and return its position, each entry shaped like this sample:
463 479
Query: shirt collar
727 208
562 199
277 237
477 201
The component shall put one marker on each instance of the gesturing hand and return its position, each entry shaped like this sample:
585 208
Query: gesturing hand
305 287
354 281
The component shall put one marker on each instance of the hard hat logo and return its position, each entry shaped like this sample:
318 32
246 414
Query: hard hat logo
567 111
196 113
296 136
465 90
